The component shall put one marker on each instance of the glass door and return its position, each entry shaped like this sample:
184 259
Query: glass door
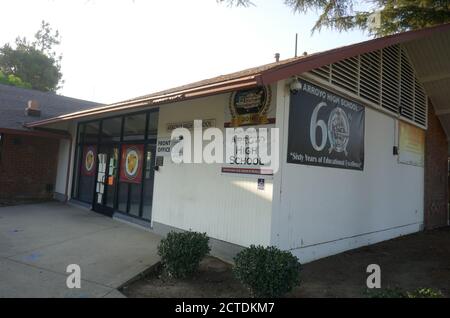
106 181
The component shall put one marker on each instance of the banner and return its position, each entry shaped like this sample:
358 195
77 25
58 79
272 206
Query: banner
88 164
325 129
411 145
131 163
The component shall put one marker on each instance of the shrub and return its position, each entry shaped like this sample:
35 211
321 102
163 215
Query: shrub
424 293
399 293
181 253
267 271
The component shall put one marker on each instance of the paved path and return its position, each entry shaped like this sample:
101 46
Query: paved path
38 242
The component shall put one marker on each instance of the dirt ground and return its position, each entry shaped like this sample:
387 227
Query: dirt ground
214 280
415 261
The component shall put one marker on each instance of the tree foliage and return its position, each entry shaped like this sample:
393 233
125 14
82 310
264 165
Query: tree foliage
13 80
35 62
378 17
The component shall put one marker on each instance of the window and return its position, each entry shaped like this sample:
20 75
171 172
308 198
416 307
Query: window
2 137
106 137
90 134
153 125
134 127
111 129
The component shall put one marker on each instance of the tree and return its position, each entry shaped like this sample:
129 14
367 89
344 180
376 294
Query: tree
379 17
35 63
13 81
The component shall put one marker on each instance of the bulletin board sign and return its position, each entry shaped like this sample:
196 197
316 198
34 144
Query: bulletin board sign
89 160
411 145
131 163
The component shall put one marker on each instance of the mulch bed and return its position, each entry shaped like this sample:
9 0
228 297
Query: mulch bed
419 260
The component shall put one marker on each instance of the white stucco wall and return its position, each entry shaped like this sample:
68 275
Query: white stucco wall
320 211
63 160
61 169
199 197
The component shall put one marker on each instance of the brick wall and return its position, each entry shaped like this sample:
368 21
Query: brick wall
436 173
27 167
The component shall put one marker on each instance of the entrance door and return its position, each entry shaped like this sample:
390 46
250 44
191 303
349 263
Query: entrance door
107 179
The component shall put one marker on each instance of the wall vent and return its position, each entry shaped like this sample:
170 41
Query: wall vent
385 78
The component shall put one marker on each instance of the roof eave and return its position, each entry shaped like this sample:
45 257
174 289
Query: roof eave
177 96
309 63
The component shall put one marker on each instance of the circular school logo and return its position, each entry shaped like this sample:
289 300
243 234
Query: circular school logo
250 106
338 130
131 163
89 161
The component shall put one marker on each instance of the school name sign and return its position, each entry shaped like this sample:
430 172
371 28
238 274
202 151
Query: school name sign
325 129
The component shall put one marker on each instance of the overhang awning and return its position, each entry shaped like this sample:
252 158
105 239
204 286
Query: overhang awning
430 57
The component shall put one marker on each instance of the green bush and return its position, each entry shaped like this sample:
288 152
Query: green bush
425 293
181 253
267 271
399 293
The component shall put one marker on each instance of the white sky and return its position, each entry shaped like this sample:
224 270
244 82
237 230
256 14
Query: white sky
118 49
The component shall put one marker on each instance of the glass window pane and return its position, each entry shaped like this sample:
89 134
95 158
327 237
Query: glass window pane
91 132
134 128
123 197
148 178
153 125
76 177
87 176
135 199
80 133
111 129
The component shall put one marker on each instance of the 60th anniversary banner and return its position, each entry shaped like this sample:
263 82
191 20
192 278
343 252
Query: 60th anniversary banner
325 129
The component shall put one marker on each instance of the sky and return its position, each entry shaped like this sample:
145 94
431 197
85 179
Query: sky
119 49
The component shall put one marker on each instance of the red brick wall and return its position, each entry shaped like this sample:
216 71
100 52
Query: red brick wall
27 167
436 173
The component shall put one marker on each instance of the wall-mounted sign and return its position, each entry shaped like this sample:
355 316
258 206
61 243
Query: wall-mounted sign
88 164
246 158
325 129
411 145
261 184
159 161
206 123
131 163
163 146
250 107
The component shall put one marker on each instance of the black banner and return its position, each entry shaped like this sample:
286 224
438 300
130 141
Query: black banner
325 129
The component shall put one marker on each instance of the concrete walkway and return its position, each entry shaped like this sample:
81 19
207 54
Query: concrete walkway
38 242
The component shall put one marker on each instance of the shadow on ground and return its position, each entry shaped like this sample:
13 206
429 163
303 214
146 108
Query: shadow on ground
414 261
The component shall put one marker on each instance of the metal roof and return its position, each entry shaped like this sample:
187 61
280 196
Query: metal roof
270 73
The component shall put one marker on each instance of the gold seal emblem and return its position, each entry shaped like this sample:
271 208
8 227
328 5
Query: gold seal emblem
250 106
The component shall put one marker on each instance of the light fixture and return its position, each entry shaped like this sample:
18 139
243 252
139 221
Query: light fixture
295 85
